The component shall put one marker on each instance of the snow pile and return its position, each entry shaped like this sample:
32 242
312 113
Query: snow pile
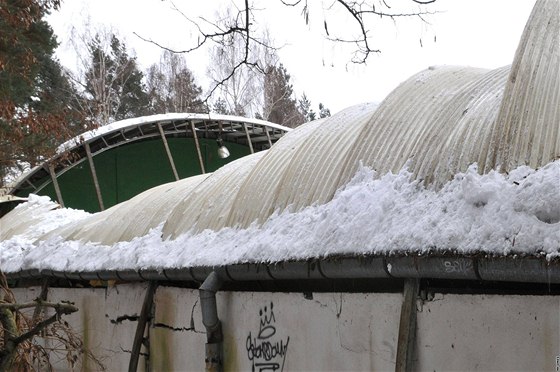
36 217
28 221
493 213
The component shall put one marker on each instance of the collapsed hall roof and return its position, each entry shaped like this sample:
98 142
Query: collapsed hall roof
310 195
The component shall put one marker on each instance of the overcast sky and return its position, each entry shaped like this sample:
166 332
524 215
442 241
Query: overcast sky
479 33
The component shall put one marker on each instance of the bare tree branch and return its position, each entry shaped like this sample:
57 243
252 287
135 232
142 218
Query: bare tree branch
358 11
240 25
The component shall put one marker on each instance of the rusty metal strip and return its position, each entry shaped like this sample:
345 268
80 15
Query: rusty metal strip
407 327
141 327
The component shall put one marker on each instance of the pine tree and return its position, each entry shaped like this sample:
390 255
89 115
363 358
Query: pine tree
113 83
220 107
171 86
304 106
323 111
37 106
279 102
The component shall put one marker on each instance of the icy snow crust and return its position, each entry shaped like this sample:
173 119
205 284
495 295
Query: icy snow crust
493 213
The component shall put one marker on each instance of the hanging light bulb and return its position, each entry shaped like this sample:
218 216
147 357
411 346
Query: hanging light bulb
223 152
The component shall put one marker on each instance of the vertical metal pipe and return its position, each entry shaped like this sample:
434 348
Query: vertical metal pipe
248 138
169 156
197 148
214 346
55 184
94 175
407 327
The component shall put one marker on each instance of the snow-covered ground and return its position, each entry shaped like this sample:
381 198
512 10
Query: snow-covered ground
499 214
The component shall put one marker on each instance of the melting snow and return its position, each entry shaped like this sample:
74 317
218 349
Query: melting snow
493 213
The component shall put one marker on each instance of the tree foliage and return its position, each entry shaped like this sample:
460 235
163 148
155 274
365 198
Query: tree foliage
239 87
37 106
280 105
241 25
304 106
324 112
171 86
112 81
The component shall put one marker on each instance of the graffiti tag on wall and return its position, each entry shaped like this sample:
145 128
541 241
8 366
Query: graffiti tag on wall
266 350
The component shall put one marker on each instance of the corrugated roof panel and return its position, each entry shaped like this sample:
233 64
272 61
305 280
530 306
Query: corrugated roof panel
255 199
133 218
412 120
464 131
527 131
314 170
208 206
438 122
24 218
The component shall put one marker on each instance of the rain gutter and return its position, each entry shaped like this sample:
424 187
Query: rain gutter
502 269
410 268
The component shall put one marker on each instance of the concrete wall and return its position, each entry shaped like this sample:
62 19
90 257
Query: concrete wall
328 332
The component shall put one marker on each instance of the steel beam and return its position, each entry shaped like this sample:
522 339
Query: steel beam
94 175
197 148
169 156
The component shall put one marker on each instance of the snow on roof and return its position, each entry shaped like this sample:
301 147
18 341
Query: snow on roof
130 124
135 217
494 213
36 217
127 123
455 159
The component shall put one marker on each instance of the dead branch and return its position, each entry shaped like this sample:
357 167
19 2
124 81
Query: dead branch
362 13
61 308
18 350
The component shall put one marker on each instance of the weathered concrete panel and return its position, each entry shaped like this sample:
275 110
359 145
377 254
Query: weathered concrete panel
334 331
177 336
105 320
489 332
319 331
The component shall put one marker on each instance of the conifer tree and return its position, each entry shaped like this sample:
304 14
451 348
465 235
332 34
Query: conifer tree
280 105
323 111
171 86
37 103
304 105
113 83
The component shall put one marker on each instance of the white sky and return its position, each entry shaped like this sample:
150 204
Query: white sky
479 33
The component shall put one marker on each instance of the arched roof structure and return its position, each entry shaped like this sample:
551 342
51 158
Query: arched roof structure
108 165
438 122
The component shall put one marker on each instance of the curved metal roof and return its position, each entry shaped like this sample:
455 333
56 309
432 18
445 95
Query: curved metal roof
438 122
256 134
133 218
208 206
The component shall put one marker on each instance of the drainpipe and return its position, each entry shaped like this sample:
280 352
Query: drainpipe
214 336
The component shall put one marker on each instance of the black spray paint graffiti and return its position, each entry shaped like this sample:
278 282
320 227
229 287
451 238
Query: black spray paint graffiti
265 351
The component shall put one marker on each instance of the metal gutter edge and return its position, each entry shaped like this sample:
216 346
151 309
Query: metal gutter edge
504 269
